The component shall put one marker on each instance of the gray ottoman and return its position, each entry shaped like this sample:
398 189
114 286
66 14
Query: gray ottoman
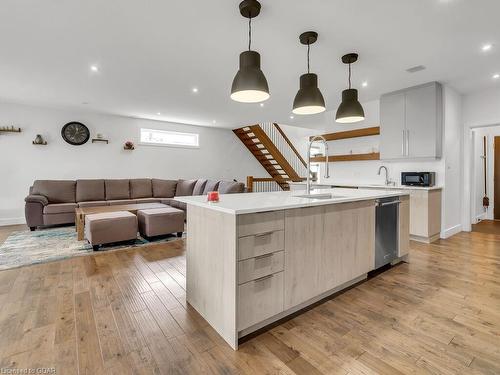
108 227
161 221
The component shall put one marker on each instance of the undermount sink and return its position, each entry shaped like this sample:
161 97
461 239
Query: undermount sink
318 196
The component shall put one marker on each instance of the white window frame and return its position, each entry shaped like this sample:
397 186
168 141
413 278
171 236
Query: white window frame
169 144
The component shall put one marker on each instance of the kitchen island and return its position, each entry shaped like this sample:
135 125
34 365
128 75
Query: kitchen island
255 258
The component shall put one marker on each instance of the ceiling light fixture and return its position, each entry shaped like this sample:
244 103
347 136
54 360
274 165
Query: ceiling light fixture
195 89
364 84
350 110
309 99
291 117
262 104
486 47
94 68
250 84
158 113
496 76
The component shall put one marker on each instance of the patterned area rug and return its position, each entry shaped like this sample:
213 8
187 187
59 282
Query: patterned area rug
47 245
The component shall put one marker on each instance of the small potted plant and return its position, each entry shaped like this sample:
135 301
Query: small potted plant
129 145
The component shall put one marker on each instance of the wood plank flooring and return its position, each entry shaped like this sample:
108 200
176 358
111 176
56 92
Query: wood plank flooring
125 312
487 226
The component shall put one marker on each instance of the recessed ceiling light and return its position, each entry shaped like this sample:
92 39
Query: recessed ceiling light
214 122
291 117
262 104
364 84
486 47
94 68
195 89
496 76
158 113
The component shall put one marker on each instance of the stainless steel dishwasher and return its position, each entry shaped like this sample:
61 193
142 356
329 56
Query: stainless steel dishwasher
386 231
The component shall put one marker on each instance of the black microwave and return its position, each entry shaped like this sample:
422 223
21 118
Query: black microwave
418 178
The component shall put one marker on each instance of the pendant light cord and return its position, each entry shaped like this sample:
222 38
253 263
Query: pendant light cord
249 33
308 50
349 76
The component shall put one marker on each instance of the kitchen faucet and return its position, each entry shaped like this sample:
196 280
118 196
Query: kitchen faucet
327 169
387 180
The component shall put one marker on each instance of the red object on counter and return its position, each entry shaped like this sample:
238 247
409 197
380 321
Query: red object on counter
213 196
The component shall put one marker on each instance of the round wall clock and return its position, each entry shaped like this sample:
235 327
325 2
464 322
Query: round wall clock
75 133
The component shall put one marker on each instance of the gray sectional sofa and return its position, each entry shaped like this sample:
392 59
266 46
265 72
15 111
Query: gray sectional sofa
53 202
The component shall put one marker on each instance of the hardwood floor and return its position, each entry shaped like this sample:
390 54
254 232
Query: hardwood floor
487 226
125 312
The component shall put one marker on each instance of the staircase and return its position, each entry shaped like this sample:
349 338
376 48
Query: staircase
274 151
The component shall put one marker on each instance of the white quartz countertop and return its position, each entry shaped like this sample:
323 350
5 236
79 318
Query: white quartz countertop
370 186
245 203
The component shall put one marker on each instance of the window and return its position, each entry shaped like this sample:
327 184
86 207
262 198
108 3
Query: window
169 138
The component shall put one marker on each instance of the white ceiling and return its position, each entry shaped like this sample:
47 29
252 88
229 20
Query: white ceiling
152 53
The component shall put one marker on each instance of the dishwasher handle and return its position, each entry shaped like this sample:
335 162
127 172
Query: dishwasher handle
382 204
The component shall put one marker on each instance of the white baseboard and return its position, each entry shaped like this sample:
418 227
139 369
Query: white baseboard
12 221
480 217
447 233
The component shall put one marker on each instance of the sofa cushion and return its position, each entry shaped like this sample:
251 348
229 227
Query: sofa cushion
117 189
141 188
60 208
199 187
211 185
121 202
93 204
56 191
164 188
231 187
90 190
185 187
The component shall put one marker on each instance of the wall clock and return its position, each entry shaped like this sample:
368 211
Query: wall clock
75 133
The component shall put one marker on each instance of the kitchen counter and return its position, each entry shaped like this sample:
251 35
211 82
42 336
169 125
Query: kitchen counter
255 258
246 203
299 185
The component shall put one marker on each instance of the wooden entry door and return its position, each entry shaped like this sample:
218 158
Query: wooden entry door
496 167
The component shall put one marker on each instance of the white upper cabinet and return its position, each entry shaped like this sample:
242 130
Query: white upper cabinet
411 123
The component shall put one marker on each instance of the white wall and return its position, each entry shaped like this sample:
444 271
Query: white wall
479 110
221 154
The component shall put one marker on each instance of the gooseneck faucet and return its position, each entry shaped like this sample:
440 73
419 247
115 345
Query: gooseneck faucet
387 181
327 169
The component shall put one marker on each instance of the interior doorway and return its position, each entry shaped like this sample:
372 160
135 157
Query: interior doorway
496 174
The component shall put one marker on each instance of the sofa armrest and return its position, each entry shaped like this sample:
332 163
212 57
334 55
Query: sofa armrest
37 199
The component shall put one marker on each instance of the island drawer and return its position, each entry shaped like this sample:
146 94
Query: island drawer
261 222
260 244
259 300
255 268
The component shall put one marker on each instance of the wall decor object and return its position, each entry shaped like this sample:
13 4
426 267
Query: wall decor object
75 133
250 84
129 145
350 110
9 129
39 141
309 99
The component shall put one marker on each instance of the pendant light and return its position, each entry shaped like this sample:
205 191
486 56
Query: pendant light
309 99
350 110
250 84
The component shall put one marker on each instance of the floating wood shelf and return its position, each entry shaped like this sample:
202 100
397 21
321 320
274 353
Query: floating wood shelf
364 132
349 157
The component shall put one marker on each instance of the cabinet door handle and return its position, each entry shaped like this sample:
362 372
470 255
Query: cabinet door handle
403 143
263 234
408 142
263 278
264 256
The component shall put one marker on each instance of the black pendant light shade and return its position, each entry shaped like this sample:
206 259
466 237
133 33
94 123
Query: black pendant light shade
309 99
250 84
350 110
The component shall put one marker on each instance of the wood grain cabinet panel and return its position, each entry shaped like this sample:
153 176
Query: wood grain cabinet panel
255 268
340 243
260 244
262 222
259 300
